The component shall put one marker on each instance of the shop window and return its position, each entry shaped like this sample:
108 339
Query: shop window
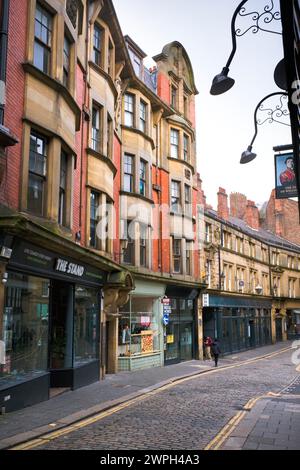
97 45
25 329
129 103
139 329
42 39
37 174
86 337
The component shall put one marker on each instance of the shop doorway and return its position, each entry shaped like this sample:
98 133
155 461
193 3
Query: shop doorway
180 332
61 333
278 326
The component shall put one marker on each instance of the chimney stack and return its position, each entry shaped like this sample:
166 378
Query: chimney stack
223 210
252 215
238 204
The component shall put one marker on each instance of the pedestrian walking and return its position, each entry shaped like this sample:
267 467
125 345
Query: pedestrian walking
216 351
207 347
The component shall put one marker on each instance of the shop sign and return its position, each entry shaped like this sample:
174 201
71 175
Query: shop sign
166 319
170 339
66 267
31 258
145 321
286 185
205 300
166 301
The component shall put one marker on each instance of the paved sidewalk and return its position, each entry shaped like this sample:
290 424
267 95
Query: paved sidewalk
273 424
71 406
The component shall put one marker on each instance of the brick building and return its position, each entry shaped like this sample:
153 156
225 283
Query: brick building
281 216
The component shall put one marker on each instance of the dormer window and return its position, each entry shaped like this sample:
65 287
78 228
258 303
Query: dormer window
136 62
173 97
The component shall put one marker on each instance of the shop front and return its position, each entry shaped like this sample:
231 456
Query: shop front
179 333
140 330
293 324
238 323
50 326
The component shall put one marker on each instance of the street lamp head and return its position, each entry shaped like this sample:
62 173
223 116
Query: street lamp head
222 83
248 156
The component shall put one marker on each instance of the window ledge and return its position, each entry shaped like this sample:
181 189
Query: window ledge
139 132
57 86
184 162
104 158
107 77
137 195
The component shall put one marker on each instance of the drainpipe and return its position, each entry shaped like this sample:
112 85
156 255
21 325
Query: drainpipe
158 185
219 258
3 52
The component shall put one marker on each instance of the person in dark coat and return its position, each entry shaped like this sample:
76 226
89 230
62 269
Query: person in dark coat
216 351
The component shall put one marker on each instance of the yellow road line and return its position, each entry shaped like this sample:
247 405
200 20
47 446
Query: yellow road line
298 368
223 435
103 414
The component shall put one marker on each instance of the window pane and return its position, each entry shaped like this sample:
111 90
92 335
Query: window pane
41 57
25 328
94 204
86 325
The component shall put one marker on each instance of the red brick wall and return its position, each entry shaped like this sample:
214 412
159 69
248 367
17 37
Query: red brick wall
282 218
223 210
196 251
15 86
163 87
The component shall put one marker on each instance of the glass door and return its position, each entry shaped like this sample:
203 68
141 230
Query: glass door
186 341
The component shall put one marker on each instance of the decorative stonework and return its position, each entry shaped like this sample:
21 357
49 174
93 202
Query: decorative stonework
72 10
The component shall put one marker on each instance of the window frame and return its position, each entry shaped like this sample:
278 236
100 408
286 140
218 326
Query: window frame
129 109
143 116
175 196
143 178
62 208
129 174
42 175
38 41
96 137
174 143
98 46
177 254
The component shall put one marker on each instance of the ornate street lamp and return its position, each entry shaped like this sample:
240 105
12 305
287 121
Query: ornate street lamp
271 115
222 83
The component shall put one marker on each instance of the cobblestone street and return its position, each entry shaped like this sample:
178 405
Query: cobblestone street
185 416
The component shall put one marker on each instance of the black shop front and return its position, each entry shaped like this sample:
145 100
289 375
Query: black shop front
50 329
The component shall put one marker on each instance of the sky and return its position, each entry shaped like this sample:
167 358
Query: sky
225 124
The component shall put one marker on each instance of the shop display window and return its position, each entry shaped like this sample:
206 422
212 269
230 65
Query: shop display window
25 329
138 329
87 312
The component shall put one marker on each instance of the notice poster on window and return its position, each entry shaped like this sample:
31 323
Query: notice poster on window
145 321
147 344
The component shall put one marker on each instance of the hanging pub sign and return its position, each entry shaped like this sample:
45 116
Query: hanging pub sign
286 185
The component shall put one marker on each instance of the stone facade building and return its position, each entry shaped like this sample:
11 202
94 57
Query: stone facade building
253 279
